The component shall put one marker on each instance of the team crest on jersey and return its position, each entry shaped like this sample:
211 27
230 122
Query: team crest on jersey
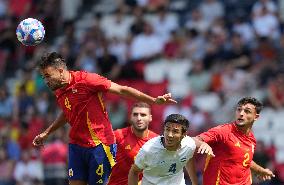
70 172
74 90
128 147
238 144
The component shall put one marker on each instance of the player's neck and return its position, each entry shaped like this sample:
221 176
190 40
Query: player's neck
245 130
140 133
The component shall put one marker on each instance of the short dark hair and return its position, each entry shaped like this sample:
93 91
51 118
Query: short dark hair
53 59
142 105
179 119
258 105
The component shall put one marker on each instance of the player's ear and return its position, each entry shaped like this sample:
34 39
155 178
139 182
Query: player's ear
256 117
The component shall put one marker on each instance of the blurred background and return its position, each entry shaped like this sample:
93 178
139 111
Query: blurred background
207 53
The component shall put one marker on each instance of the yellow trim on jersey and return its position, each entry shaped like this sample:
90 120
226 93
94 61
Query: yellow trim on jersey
218 178
100 96
109 178
93 135
207 162
109 155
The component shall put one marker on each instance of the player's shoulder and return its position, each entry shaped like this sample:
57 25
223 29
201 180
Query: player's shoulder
84 75
152 134
121 133
79 74
153 144
187 141
224 127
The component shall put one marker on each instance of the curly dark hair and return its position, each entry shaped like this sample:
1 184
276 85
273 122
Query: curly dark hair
179 119
53 59
258 105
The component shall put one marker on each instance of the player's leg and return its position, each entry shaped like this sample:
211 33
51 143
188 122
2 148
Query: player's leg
77 165
101 163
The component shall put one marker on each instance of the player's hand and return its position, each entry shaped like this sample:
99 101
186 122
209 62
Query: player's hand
265 174
205 149
39 139
165 99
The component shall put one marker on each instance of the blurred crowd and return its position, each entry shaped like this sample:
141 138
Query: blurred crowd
207 53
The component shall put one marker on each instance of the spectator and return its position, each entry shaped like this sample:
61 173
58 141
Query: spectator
146 45
6 103
164 23
54 157
6 168
276 92
29 170
211 10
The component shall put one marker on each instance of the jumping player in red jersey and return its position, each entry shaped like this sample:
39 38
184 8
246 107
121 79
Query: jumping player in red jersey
234 145
129 140
79 94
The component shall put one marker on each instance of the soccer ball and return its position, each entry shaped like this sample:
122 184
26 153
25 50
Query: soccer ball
30 32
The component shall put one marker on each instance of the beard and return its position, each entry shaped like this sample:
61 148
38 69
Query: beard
54 86
140 129
240 125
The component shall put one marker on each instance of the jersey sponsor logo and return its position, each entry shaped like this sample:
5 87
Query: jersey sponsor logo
238 144
128 147
70 172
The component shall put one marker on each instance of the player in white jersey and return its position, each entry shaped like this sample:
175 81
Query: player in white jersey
162 158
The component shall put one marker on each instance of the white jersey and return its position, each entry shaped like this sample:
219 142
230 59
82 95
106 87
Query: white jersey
161 166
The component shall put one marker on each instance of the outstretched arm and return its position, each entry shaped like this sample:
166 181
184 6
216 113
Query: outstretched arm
133 175
59 122
191 170
202 147
138 95
262 173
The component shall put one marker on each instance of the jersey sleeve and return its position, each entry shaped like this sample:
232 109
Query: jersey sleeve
97 82
118 135
140 159
215 134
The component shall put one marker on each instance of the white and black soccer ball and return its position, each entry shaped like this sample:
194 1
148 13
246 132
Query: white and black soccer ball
30 32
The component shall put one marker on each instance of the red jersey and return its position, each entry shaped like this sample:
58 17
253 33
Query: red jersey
233 155
83 107
128 145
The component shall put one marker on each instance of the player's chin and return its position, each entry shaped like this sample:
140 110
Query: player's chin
54 87
240 124
141 128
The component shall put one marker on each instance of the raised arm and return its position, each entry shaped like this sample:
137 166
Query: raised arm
140 96
191 170
133 177
262 173
59 122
